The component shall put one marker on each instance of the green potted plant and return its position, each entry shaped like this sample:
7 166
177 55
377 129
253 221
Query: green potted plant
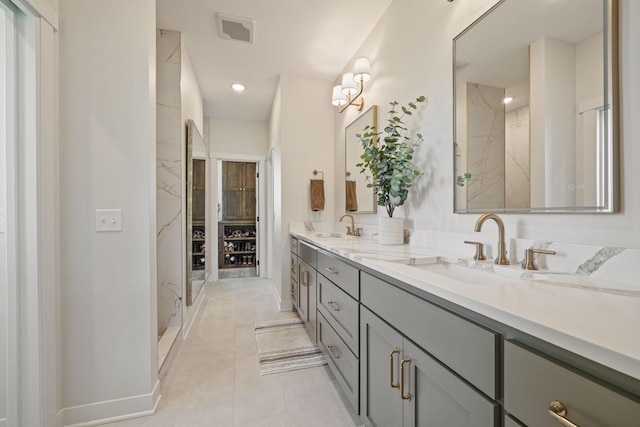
387 165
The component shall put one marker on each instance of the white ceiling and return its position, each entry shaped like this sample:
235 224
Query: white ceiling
308 38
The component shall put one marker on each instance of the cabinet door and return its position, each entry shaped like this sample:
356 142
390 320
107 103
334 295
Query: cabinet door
304 276
294 281
239 190
433 396
380 402
313 303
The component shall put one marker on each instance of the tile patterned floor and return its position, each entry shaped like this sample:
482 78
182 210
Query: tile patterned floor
215 379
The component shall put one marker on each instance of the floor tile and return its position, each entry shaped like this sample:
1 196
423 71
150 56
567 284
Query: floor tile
215 379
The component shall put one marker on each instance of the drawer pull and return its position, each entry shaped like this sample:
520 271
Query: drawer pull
405 396
332 270
333 306
558 411
333 353
394 351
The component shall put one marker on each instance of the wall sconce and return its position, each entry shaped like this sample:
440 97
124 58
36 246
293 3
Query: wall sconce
347 93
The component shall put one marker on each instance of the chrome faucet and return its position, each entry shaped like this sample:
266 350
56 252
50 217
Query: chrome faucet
351 231
502 251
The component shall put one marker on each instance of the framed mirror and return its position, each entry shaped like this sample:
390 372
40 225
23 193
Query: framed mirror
358 198
535 108
197 219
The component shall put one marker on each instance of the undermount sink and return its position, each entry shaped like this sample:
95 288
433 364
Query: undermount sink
468 275
445 267
326 235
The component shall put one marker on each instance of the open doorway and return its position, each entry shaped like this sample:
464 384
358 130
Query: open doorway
238 231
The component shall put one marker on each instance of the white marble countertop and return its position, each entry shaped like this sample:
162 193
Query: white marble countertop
597 324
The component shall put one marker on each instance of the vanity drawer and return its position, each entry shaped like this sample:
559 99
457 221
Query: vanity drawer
532 382
465 347
341 361
340 273
340 310
307 253
293 244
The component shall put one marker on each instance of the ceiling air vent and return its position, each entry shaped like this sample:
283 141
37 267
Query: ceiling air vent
235 28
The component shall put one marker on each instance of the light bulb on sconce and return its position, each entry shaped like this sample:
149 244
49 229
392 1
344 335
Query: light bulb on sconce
347 93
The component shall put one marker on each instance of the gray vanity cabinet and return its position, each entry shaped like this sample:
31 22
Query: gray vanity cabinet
402 385
508 422
534 383
307 285
293 245
381 345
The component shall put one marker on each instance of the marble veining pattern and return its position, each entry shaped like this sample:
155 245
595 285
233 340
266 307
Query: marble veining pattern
517 159
169 180
593 264
486 146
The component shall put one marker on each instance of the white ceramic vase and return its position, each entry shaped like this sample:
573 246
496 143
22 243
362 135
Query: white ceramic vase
391 231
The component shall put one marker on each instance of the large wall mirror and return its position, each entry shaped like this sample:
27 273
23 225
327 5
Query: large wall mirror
535 108
358 198
197 222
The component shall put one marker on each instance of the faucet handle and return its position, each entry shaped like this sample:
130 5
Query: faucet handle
479 256
529 261
349 232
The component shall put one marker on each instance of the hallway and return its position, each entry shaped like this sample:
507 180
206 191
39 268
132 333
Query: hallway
215 379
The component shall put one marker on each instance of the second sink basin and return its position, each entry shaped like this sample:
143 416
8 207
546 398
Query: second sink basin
467 275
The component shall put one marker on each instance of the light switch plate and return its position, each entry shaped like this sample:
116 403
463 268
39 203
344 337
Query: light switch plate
108 220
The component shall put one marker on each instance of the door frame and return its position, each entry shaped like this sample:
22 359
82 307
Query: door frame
33 233
261 211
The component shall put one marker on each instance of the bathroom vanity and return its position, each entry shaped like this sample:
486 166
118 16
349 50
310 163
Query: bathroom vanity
414 334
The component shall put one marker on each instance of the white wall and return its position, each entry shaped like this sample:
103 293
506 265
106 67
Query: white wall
302 142
410 52
191 98
192 107
107 160
239 136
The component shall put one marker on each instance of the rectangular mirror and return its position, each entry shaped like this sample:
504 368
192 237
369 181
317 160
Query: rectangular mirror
197 225
358 198
535 108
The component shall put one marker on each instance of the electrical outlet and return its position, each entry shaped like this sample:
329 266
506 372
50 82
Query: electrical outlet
108 220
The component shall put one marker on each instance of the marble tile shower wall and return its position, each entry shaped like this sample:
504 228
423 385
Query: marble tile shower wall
517 183
169 180
485 146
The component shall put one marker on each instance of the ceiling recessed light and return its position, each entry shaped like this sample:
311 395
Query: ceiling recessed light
238 87
508 99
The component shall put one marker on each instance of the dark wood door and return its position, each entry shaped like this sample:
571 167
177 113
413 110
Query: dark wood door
238 191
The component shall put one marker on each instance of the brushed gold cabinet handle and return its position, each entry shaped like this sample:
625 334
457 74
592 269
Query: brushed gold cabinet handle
333 306
332 270
394 351
558 411
405 396
305 272
333 353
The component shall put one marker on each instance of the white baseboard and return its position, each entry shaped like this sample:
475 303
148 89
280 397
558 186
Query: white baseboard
3 422
193 312
282 305
110 411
